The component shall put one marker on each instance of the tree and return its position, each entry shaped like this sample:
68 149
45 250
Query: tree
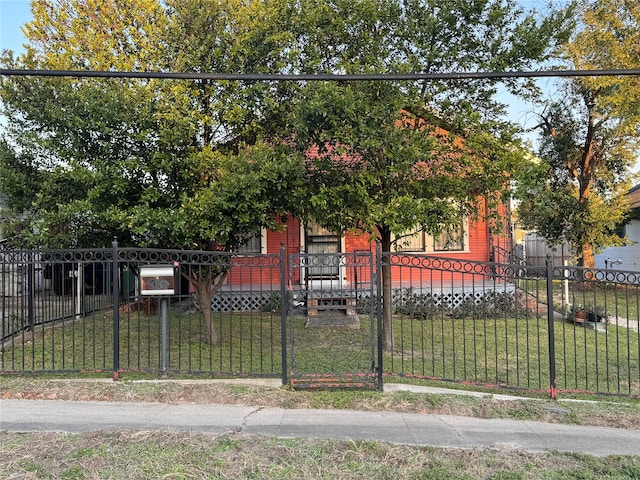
404 157
590 137
155 164
141 154
91 140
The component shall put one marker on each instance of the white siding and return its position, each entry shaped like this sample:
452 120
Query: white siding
629 256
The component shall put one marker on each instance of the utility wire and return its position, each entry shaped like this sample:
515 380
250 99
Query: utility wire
304 77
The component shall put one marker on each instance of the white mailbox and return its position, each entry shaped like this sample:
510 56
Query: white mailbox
157 280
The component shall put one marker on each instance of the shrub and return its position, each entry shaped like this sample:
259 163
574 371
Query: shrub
422 306
273 303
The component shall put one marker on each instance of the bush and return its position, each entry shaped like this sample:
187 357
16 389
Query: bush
273 303
426 306
421 306
499 303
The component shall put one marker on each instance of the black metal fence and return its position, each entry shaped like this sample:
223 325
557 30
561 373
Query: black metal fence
82 311
553 329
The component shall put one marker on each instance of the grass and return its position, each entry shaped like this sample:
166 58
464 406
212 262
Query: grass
141 454
250 344
509 350
515 352
617 300
138 455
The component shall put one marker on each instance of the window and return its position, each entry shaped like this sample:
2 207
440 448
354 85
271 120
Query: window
411 242
254 245
452 239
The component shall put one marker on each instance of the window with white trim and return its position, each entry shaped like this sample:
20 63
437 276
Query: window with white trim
451 239
411 242
255 244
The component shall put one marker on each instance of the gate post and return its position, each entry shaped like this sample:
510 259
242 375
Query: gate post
115 288
378 261
31 287
550 322
284 310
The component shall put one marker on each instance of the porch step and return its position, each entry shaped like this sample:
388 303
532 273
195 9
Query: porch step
331 319
317 304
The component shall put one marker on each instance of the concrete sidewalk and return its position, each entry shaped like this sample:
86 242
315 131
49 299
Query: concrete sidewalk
403 428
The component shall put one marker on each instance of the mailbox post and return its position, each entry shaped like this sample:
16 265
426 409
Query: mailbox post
159 281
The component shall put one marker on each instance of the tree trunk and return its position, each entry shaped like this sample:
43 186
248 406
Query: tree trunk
206 288
387 308
586 258
387 292
203 291
585 179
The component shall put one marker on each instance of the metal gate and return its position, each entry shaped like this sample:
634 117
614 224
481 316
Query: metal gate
333 333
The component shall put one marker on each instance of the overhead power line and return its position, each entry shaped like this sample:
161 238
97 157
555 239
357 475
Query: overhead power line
306 77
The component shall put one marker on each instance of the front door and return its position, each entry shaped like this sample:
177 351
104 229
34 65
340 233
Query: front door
322 243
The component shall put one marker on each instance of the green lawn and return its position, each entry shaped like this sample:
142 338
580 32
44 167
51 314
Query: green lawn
510 351
250 344
515 352
616 300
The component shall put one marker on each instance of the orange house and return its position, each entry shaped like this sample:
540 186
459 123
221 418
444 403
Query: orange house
475 240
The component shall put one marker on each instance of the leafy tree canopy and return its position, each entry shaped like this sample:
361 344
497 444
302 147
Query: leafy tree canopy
396 157
130 158
409 174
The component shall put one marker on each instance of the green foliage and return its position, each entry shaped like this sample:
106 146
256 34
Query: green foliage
425 306
273 304
416 305
150 163
405 169
561 210
135 150
244 192
203 164
73 473
396 157
610 38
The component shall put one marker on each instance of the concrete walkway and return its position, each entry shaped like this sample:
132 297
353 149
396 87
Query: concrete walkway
403 428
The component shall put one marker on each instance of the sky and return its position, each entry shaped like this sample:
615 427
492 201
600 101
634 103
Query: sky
13 14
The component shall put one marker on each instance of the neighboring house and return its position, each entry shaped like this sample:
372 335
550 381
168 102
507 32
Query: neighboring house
626 257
